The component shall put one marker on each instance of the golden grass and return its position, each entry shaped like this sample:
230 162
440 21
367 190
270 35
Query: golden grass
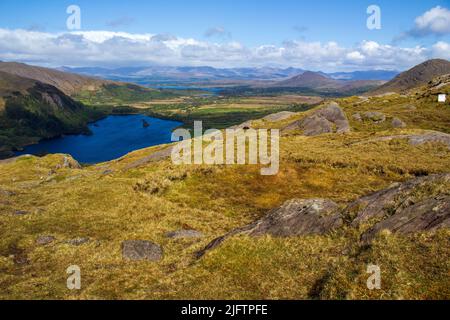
148 201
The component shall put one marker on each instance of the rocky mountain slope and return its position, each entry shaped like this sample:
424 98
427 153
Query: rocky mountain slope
418 76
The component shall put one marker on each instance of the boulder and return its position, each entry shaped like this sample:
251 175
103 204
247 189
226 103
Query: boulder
388 202
357 117
328 119
69 163
314 126
296 217
45 240
397 123
78 241
424 216
141 250
374 116
184 234
430 137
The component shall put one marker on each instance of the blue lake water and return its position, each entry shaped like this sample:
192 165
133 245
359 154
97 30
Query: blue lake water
111 138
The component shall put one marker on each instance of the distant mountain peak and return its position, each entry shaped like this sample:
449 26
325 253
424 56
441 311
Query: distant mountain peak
415 77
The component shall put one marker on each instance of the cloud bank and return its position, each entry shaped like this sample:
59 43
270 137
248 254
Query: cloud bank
111 49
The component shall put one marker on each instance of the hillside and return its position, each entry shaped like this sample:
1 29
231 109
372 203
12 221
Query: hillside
69 83
31 110
216 232
415 77
88 90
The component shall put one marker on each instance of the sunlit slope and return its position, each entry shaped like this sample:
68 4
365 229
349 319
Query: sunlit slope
90 211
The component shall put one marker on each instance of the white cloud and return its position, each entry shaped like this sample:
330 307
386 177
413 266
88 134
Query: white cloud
441 49
436 21
106 48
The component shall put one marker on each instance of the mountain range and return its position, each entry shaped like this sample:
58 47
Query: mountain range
155 74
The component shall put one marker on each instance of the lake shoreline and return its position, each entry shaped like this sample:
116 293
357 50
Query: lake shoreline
117 135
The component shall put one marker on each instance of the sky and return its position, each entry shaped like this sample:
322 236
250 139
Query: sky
325 35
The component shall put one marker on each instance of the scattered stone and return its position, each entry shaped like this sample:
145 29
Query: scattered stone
44 240
296 217
183 234
107 172
374 116
139 250
78 241
21 259
280 116
397 123
21 212
7 193
357 117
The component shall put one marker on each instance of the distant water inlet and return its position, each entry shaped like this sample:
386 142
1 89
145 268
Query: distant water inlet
111 138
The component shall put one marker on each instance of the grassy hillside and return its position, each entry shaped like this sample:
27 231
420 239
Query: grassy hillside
91 211
31 110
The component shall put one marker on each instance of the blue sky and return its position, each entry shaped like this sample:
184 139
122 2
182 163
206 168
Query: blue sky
249 23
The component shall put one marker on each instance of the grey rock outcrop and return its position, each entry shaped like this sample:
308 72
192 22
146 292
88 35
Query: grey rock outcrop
328 119
184 234
374 116
141 250
388 202
295 217
397 123
426 215
279 116
154 157
45 240
417 139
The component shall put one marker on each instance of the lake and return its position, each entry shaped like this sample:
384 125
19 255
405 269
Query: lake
111 138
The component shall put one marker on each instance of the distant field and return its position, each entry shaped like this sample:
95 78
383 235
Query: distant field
220 112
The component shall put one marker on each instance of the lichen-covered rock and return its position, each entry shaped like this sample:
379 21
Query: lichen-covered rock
328 119
296 217
426 215
397 123
357 117
45 240
388 202
78 241
141 250
184 234
430 137
69 163
374 116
